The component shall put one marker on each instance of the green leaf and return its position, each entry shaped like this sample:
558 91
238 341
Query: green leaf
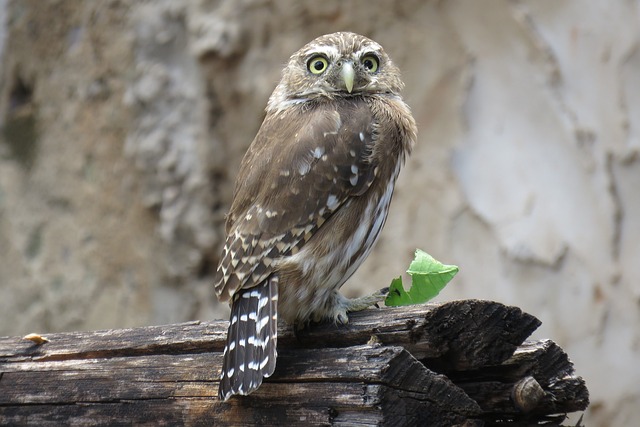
428 277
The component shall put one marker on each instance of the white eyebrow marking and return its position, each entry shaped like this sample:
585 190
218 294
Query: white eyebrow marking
371 48
328 51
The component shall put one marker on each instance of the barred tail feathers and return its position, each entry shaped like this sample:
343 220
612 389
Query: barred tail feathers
250 353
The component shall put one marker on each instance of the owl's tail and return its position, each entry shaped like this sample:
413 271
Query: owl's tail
250 353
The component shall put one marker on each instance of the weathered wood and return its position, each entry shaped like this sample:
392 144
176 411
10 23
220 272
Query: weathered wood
459 334
492 386
467 366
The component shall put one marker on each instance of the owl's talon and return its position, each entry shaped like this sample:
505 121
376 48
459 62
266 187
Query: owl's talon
342 318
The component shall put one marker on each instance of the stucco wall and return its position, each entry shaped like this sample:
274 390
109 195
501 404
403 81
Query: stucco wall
123 124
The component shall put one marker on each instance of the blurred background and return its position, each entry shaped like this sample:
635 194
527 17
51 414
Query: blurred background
122 126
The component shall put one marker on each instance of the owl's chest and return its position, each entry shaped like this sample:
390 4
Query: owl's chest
365 230
348 158
316 273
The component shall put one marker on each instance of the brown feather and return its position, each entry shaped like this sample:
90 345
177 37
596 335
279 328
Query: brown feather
284 184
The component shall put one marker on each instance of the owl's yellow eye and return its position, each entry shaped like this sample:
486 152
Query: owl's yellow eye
318 64
370 63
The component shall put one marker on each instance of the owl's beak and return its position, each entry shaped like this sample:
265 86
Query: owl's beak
348 75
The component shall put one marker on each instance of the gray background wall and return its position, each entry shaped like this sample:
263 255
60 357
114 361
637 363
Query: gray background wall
123 124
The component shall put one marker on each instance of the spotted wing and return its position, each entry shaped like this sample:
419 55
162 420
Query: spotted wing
304 164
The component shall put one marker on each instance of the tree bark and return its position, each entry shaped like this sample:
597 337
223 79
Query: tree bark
460 363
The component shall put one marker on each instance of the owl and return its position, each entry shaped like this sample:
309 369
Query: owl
311 197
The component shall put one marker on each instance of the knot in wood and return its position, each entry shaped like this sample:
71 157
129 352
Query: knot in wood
527 394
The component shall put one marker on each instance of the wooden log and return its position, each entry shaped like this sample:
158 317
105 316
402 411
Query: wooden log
500 393
458 334
459 363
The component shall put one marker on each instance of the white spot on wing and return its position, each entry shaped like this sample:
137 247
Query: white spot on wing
318 152
354 178
332 202
304 167
361 135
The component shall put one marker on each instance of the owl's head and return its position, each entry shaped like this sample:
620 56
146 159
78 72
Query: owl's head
336 65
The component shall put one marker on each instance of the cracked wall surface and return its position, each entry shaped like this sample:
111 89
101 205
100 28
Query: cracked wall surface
122 125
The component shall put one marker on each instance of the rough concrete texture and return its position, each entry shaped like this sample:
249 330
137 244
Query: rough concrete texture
123 124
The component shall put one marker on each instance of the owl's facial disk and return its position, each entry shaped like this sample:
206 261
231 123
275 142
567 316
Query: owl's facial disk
336 65
330 72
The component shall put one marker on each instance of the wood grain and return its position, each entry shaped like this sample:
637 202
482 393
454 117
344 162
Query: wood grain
451 364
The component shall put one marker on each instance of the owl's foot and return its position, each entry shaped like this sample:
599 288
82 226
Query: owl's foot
345 305
337 306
